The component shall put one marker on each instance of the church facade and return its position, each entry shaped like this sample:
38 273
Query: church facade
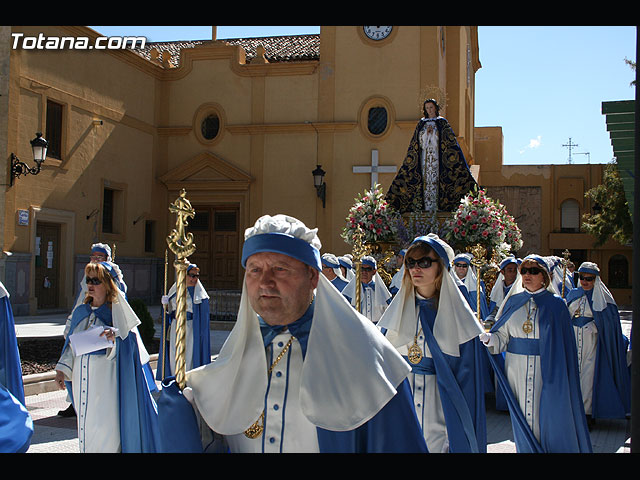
241 125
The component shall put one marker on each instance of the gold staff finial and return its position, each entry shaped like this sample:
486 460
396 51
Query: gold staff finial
181 244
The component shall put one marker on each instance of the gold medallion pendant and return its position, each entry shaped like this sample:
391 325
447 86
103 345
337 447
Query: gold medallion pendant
527 326
415 353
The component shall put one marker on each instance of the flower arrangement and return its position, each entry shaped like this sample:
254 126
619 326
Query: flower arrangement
482 220
377 219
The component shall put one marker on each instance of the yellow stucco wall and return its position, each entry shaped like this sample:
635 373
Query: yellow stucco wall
278 122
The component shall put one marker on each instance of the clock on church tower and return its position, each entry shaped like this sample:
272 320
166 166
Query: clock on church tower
377 33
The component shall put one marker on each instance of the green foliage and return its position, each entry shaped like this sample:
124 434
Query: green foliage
613 220
146 328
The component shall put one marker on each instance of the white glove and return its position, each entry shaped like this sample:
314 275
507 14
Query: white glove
165 300
487 339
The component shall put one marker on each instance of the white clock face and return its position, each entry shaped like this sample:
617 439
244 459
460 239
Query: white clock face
377 33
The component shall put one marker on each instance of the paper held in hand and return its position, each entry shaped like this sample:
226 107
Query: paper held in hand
89 341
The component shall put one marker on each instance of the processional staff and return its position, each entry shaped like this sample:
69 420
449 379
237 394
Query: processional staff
478 261
566 254
359 250
181 244
164 314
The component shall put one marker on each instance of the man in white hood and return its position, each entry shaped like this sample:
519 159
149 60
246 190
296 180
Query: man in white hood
301 371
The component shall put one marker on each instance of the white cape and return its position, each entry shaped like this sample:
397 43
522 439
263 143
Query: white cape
343 345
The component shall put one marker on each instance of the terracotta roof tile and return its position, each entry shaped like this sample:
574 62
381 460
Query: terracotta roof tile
286 48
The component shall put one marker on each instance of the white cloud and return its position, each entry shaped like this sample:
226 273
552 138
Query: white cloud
533 144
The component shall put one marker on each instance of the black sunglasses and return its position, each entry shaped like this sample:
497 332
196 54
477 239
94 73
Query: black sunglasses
461 265
424 262
194 275
93 281
587 279
531 270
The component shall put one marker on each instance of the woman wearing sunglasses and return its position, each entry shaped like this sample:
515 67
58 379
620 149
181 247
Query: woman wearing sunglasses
601 346
197 334
114 407
432 326
540 379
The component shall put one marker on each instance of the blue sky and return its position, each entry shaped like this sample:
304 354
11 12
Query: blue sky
543 85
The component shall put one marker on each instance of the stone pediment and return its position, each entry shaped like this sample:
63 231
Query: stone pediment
206 172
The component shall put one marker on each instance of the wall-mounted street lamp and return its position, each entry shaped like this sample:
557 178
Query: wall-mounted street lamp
39 146
318 182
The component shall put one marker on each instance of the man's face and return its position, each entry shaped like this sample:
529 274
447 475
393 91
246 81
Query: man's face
461 269
510 273
280 288
97 257
366 273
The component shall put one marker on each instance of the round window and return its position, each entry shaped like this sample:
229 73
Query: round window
210 127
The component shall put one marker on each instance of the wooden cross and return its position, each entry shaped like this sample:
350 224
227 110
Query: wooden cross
374 169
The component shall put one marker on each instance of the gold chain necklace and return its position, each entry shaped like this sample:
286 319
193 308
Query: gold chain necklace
255 430
414 351
527 326
581 307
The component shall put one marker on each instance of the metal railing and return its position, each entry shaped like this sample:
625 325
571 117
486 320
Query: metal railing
223 305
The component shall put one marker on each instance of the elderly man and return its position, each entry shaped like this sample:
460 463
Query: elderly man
301 371
374 295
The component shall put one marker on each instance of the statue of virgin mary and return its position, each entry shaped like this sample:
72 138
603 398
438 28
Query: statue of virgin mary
434 175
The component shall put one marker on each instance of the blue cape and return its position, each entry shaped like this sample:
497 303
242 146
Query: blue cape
16 425
611 382
339 283
201 337
10 368
563 424
138 415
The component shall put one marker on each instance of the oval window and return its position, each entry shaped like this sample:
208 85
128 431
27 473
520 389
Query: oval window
377 121
210 127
